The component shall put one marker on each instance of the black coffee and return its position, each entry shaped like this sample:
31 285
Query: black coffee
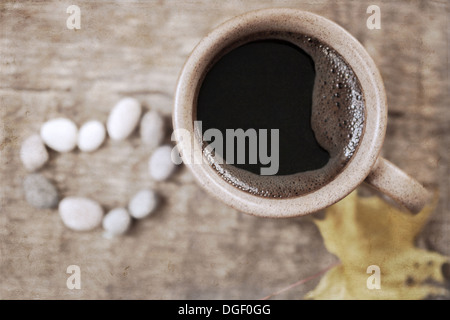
297 85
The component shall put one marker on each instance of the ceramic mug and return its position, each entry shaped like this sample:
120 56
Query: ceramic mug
365 165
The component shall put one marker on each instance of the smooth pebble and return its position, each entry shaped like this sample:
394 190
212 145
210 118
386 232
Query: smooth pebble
123 118
60 134
80 214
33 153
91 136
40 192
160 165
152 129
143 203
116 222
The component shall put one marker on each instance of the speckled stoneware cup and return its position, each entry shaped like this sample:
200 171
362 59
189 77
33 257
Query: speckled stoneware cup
365 166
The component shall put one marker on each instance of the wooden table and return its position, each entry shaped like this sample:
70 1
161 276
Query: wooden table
194 247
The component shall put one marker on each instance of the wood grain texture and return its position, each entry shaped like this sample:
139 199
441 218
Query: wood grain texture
194 247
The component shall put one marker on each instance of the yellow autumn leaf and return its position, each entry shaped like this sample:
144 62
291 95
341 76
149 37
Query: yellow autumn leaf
366 232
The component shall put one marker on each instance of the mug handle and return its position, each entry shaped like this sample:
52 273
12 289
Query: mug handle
392 181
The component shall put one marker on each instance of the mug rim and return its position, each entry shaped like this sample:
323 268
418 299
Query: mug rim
298 21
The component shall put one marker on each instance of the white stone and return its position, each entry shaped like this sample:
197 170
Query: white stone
80 214
33 153
152 129
143 204
116 222
123 118
60 134
160 165
91 136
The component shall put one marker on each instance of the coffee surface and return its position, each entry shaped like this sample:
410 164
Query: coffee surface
293 83
264 85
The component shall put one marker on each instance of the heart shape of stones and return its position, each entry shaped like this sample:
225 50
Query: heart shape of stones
62 135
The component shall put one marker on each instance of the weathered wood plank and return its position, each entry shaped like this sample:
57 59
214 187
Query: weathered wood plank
194 247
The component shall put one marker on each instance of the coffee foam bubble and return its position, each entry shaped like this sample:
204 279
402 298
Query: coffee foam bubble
338 112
